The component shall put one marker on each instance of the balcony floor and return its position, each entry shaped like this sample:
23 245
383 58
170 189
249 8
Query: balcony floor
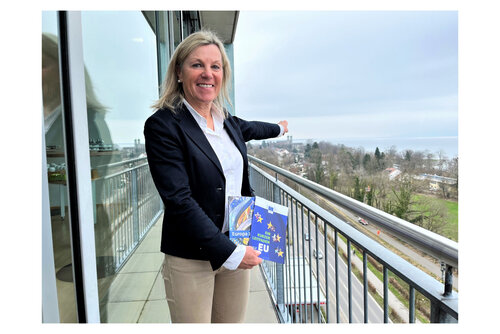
137 294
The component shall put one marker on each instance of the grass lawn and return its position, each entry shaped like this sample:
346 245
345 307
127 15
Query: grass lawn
451 229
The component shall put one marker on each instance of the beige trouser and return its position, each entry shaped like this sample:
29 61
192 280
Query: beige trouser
197 294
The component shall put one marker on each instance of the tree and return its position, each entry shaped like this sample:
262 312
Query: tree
366 162
319 173
408 161
359 189
356 159
334 177
377 154
307 151
429 162
453 171
345 161
316 159
391 156
408 154
370 195
431 215
441 160
402 205
378 157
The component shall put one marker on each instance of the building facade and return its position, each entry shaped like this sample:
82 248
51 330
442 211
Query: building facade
101 72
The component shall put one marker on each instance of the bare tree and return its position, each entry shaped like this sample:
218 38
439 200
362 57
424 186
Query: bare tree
431 215
441 164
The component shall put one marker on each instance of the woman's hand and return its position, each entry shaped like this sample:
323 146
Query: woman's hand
284 124
250 259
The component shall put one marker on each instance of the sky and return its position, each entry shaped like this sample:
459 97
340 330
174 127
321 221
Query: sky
369 78
359 78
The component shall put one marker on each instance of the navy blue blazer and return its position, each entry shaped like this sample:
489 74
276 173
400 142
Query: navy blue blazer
190 181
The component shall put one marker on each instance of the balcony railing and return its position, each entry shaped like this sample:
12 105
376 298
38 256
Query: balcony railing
130 203
325 280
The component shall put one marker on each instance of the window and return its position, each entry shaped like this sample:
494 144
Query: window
56 168
119 52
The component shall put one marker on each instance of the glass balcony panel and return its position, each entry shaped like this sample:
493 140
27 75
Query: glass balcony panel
56 164
121 79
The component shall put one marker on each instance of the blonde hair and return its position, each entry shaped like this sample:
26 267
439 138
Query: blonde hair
172 92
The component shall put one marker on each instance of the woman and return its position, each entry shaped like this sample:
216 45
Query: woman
197 157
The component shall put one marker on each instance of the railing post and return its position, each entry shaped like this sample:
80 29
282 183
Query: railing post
250 174
365 286
438 315
280 274
386 294
448 280
135 206
411 317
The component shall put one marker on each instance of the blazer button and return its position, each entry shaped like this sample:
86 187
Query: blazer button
219 189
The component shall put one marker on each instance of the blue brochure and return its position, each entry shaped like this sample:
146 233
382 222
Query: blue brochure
240 218
268 232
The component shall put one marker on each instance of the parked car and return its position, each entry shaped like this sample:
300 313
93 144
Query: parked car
362 221
318 255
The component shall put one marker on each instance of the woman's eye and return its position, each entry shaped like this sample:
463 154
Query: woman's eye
216 67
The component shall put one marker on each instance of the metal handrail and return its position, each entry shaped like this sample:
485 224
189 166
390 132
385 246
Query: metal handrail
105 177
416 278
121 163
431 243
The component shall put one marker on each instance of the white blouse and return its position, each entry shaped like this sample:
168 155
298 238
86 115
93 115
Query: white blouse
232 166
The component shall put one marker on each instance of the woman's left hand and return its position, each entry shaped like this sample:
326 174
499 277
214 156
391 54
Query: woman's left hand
250 259
284 124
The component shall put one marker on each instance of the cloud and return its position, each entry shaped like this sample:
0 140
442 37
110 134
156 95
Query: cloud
349 73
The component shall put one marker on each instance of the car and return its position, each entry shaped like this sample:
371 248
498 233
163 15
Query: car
362 221
318 255
306 237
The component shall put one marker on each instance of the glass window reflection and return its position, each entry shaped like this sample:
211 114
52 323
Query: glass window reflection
56 168
119 51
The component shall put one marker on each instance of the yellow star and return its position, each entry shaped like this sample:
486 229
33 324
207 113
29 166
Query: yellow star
259 219
269 226
280 253
278 238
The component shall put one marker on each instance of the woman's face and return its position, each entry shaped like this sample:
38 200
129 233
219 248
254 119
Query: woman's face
201 75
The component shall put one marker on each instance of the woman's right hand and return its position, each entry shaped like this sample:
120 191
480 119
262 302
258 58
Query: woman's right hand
250 259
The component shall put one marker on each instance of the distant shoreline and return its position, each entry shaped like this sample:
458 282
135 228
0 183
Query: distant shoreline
449 145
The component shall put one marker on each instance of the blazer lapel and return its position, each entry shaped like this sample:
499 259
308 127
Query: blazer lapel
192 129
233 135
